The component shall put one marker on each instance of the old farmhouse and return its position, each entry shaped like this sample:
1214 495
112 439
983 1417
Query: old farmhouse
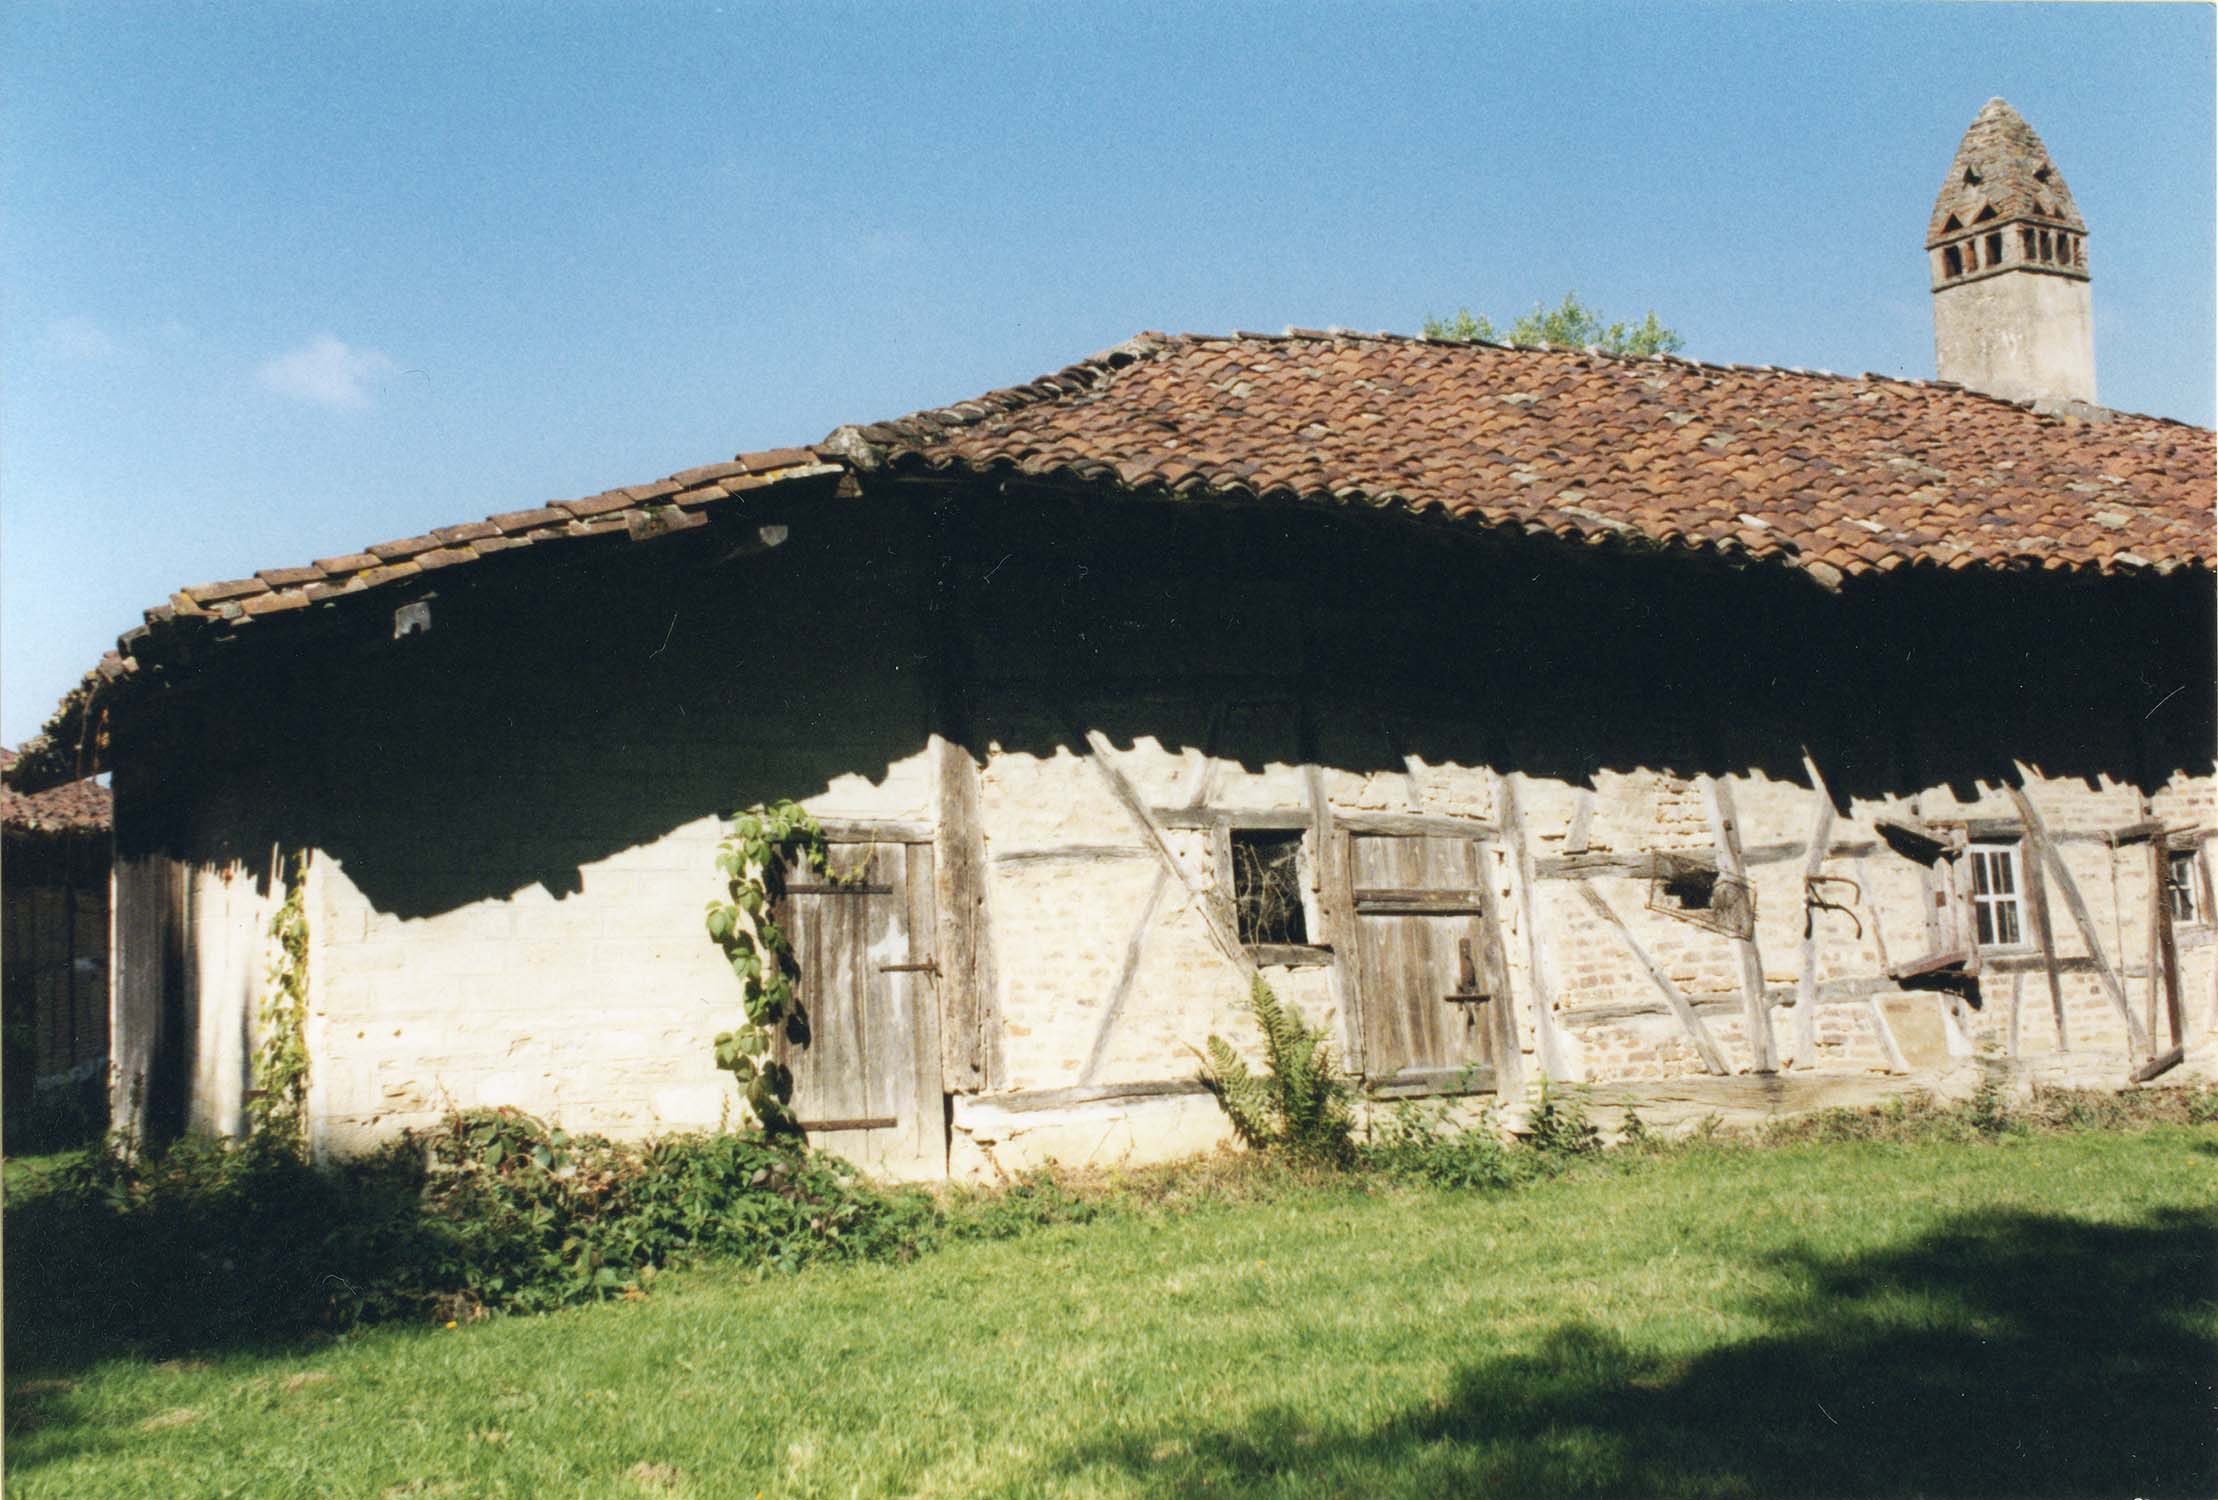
1722 736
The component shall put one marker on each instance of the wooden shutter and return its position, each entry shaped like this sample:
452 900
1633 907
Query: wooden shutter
865 1051
1432 988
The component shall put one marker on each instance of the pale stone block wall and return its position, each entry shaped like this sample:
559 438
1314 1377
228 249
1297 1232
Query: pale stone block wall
596 1010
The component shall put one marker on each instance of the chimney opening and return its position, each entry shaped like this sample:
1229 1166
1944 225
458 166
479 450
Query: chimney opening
1953 259
1994 248
2048 248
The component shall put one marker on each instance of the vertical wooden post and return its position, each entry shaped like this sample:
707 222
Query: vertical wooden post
2163 944
2037 834
1873 1015
1806 983
1725 823
2044 933
1547 1040
969 997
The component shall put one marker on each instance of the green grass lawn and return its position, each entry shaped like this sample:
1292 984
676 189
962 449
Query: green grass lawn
2035 1315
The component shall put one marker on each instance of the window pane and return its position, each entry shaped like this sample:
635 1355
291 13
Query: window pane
2179 873
1266 888
1986 914
2006 921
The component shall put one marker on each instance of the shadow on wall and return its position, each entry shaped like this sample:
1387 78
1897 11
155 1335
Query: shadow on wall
2011 1354
554 716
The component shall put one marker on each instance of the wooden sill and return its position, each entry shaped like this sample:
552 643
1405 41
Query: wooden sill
1290 955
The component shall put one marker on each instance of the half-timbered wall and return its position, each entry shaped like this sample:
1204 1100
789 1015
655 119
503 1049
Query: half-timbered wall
1058 720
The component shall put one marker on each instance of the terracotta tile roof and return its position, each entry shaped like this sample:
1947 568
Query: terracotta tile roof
1836 476
73 807
1839 476
666 505
73 742
2001 165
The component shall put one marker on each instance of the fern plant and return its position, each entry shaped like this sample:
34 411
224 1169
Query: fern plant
1301 1104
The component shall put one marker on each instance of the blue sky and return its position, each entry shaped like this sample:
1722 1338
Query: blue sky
277 281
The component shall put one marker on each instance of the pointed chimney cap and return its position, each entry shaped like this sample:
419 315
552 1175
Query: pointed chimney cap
2003 171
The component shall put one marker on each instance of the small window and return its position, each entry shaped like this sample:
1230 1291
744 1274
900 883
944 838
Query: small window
1693 889
2027 243
1953 259
1985 214
1267 887
2182 885
1996 904
2048 251
1994 248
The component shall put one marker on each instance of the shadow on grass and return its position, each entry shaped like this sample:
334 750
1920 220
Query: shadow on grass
2007 1354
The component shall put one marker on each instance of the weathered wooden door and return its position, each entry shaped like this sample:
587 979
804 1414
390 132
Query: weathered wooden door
1431 982
865 1051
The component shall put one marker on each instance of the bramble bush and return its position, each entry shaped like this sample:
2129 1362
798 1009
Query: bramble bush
490 1210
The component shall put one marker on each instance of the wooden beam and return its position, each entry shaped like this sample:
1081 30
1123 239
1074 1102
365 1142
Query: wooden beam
2044 937
1725 822
969 1002
878 831
1413 1083
2162 1063
1705 1045
2037 834
1333 887
1569 866
1204 776
1548 1039
1084 854
1032 1100
1303 819
1099 752
2165 944
1201 819
1876 1018
1128 968
1581 831
1393 902
1806 982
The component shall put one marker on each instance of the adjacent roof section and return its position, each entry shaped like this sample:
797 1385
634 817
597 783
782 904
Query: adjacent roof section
670 504
2001 166
1838 476
74 807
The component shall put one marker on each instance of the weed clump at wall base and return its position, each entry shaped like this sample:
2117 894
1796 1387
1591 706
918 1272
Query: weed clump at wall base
1301 1105
491 1210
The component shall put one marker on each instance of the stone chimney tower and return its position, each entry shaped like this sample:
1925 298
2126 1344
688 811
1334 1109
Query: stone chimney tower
2011 311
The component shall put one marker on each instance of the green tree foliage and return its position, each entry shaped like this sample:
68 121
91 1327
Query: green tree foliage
1301 1104
1574 325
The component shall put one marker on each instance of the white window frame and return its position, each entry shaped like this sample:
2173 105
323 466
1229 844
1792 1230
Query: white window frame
2191 888
1997 911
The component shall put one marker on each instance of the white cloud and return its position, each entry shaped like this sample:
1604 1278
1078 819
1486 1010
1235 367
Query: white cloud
327 372
80 338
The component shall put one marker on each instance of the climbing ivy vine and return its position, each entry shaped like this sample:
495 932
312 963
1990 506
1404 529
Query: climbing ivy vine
277 1105
753 857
